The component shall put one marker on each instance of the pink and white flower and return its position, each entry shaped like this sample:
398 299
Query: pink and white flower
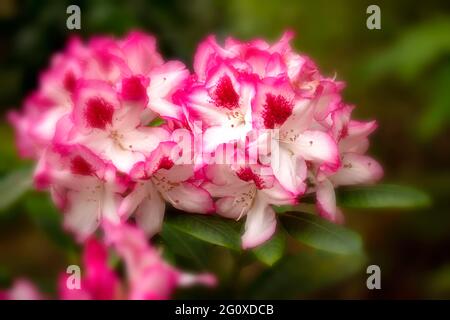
294 142
221 105
109 125
159 179
356 168
248 191
87 189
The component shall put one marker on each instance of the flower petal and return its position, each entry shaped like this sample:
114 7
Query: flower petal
199 107
327 98
317 146
260 224
215 136
290 170
357 169
139 50
278 195
133 200
228 207
356 140
326 200
150 213
110 206
188 197
164 80
144 139
82 215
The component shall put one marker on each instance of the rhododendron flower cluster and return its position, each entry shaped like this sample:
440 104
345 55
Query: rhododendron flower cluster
299 114
254 126
88 127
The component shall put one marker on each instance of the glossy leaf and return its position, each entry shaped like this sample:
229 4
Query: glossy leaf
182 244
273 250
302 207
320 233
382 196
214 230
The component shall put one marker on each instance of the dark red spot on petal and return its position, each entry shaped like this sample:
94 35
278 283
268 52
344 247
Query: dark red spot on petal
276 110
343 133
224 95
133 89
69 81
165 163
81 167
248 175
98 113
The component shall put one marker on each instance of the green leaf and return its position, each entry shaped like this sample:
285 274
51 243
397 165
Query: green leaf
271 251
321 234
184 245
302 207
383 196
13 186
304 274
214 230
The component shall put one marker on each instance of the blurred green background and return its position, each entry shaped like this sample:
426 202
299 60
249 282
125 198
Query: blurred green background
399 75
